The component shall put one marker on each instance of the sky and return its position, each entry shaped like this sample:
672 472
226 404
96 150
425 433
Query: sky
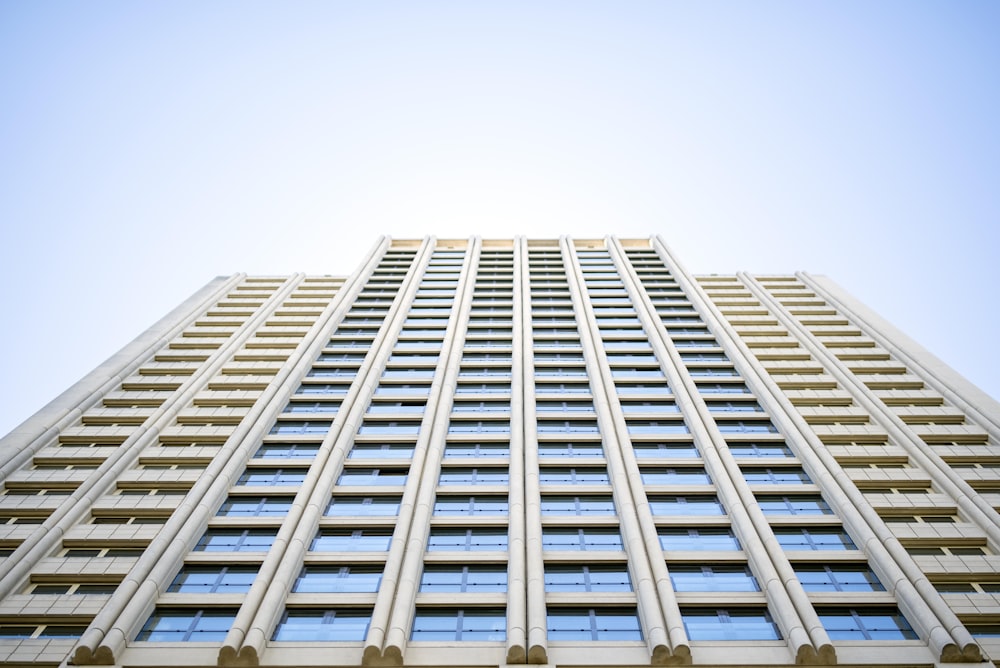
147 147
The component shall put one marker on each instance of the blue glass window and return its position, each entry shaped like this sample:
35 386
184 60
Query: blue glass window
731 624
323 625
187 625
593 624
452 624
338 579
348 540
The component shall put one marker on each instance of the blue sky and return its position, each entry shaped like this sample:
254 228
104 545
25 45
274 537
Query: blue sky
147 147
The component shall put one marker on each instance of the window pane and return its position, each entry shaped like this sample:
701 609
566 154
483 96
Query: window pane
698 539
338 579
467 540
323 625
730 624
360 540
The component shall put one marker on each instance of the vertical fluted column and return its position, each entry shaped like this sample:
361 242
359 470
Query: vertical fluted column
262 604
664 629
916 595
518 575
791 608
439 407
135 598
535 563
856 514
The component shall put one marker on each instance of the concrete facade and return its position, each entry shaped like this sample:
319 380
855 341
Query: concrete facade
479 452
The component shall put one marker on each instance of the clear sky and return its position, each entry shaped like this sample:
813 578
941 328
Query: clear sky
146 147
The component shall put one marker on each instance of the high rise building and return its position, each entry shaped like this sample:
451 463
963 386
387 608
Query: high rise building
486 452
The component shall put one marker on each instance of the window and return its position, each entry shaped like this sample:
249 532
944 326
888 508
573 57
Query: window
479 427
235 540
403 389
712 578
256 506
391 428
751 449
785 475
633 407
965 587
837 578
567 426
79 589
458 450
40 631
721 388
698 539
214 579
675 476
338 579
866 624
312 407
287 451
346 540
473 476
451 624
467 540
745 427
454 578
583 577
794 505
301 427
593 624
359 476
572 476
559 449
187 625
734 407
470 505
589 538
564 406
381 407
367 506
685 505
481 407
577 505
482 388
381 451
656 427
628 389
272 477
110 552
732 624
651 450
813 539
323 625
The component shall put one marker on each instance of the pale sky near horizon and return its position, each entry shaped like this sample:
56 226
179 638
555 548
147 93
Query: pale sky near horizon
147 147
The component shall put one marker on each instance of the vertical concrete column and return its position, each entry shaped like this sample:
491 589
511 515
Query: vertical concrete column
518 627
968 500
813 455
136 597
263 604
663 626
48 535
979 406
917 597
535 563
17 447
439 407
790 605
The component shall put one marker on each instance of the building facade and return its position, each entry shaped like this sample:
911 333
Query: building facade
484 452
